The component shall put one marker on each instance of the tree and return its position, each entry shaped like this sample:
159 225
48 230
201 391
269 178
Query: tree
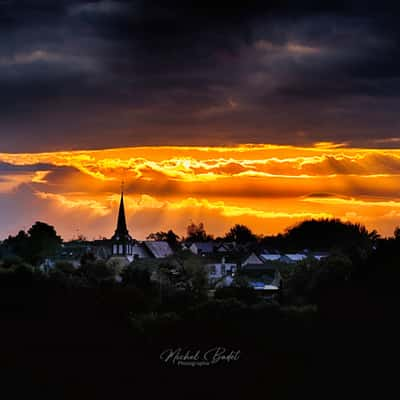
326 234
240 234
196 277
298 284
17 245
197 233
335 268
397 233
98 271
311 278
65 267
170 237
383 264
87 258
10 262
185 274
136 276
43 241
244 294
240 281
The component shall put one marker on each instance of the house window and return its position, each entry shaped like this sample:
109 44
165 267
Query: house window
212 269
222 269
115 249
121 249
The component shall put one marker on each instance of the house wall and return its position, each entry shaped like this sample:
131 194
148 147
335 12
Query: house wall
219 270
193 248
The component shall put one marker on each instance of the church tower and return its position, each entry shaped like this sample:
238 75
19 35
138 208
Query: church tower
122 242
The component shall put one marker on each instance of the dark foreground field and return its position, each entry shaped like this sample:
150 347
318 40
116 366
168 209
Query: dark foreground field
79 343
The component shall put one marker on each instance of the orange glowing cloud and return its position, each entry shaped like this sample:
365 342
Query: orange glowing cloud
265 186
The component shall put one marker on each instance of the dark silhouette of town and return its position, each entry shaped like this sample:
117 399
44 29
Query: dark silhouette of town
292 306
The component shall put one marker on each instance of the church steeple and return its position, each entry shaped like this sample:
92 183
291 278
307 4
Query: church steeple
121 224
122 242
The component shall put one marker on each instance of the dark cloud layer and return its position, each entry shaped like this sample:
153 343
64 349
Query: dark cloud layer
81 74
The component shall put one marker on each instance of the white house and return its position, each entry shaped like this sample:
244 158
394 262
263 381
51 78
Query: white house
221 271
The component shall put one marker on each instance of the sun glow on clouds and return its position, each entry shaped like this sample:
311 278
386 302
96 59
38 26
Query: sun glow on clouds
267 187
64 202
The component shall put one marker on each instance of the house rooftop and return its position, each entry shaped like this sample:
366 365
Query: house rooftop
158 248
296 256
204 247
270 257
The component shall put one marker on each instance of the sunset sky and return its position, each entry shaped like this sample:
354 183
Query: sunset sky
264 114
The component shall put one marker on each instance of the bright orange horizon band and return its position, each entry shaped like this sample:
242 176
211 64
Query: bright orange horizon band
267 187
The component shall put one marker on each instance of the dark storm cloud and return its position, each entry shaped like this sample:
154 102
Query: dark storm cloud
79 74
6 167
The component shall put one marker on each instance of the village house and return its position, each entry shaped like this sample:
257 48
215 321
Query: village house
202 248
225 247
221 273
263 277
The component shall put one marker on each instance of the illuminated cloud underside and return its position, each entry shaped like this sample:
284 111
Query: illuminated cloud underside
267 187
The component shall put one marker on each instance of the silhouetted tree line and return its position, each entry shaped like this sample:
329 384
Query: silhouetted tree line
33 246
356 255
323 234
